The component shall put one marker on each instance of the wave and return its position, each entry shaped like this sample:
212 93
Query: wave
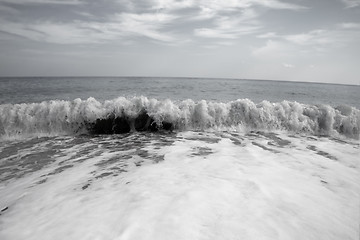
122 115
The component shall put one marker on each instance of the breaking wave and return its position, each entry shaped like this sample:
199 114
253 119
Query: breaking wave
124 115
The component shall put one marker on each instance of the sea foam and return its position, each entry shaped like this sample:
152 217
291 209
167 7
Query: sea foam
121 115
207 185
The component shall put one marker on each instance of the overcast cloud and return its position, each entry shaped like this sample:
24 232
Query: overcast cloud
298 40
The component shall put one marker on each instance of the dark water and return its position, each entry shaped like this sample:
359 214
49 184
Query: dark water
35 89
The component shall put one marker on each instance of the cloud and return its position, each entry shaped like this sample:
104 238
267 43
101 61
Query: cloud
288 65
147 25
317 37
69 2
116 27
328 39
7 9
270 49
279 5
351 3
213 33
318 43
313 37
160 20
349 25
170 4
268 35
225 33
233 19
230 27
224 5
228 19
53 32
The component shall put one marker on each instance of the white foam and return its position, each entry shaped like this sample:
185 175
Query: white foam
71 117
204 189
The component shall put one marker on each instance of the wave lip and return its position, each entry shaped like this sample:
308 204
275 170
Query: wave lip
122 115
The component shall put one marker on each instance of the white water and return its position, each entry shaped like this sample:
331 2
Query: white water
221 185
70 117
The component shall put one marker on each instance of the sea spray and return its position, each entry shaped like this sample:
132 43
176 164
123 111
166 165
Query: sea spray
122 115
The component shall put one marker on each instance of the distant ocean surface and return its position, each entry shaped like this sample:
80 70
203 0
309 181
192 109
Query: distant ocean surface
178 158
37 89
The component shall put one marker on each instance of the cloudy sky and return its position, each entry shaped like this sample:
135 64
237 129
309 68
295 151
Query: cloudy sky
297 40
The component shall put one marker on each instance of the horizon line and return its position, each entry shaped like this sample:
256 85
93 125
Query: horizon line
182 77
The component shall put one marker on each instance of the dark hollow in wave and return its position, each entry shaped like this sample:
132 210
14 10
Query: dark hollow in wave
119 125
110 125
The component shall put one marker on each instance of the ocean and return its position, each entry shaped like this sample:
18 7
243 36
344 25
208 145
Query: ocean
178 158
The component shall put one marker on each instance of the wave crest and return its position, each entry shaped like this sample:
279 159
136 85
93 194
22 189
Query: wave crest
140 113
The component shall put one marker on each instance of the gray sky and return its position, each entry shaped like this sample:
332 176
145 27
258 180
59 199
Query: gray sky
298 40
